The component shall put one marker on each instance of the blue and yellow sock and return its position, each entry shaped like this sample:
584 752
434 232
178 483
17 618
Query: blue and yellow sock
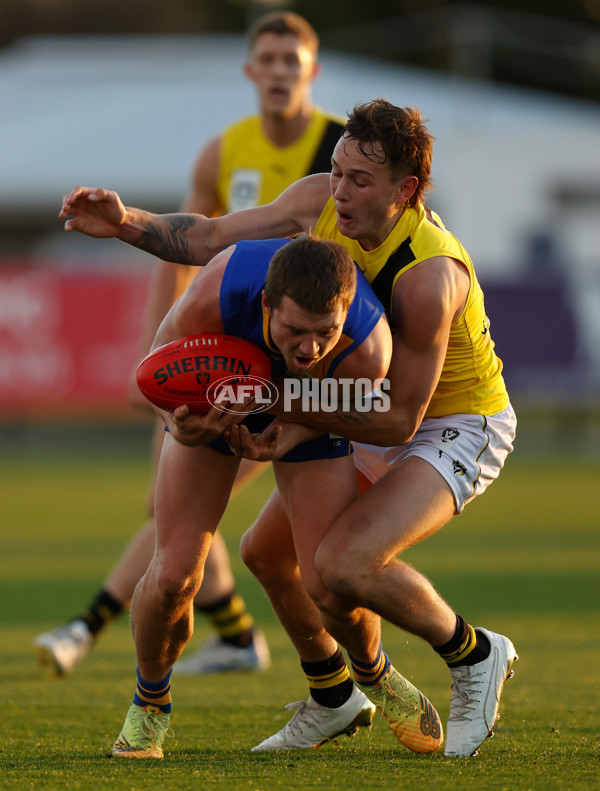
157 694
370 674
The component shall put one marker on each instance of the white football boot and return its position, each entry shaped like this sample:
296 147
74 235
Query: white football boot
63 648
215 656
476 691
312 724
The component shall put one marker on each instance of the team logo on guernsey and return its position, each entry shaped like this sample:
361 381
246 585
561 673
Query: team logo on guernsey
450 434
244 189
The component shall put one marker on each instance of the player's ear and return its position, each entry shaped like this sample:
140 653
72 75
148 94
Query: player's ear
406 189
316 70
248 71
265 304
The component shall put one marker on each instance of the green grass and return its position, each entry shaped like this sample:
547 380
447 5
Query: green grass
523 559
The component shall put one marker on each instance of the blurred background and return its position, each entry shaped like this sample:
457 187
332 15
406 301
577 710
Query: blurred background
124 95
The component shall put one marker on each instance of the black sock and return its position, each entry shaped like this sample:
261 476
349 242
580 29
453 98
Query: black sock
100 612
466 647
329 681
231 619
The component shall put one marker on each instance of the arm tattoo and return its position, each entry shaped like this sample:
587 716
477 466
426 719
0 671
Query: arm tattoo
165 237
351 416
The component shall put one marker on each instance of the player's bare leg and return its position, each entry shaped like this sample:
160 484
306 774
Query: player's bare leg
218 579
192 492
357 558
411 503
236 643
267 548
132 564
335 706
193 488
411 716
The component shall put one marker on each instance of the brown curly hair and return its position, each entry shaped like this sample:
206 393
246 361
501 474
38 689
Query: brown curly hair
401 132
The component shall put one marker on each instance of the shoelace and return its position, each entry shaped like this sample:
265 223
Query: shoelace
150 726
464 696
295 725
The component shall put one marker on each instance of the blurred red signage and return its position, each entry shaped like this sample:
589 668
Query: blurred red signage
69 340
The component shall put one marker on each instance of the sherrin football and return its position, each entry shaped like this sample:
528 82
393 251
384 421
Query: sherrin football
193 370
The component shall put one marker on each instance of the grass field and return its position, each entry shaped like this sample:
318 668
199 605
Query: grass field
523 560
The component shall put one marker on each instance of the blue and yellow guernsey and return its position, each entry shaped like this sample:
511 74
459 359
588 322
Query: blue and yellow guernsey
471 379
243 314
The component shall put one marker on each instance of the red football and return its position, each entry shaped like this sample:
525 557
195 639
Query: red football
192 370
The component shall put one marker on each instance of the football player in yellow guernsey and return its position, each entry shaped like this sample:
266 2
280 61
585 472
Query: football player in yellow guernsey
444 439
249 164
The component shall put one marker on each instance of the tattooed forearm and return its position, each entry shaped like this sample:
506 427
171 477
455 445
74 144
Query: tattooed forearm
165 237
353 417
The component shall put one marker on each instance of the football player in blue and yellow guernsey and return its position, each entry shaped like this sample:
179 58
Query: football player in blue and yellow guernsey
308 307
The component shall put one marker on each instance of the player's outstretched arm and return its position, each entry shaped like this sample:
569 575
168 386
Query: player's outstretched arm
100 213
193 239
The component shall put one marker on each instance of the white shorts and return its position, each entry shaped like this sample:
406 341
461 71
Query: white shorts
467 450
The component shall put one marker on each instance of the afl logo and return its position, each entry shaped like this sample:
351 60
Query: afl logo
233 395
